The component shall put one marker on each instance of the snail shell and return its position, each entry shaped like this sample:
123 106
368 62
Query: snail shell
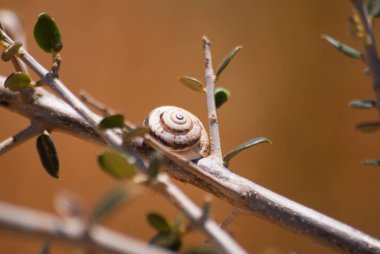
180 130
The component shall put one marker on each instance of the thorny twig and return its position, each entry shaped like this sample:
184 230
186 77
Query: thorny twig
216 150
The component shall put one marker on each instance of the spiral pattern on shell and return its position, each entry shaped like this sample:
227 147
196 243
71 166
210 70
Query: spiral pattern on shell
180 130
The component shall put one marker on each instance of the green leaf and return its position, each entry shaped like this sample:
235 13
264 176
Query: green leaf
137 132
242 147
226 61
201 250
45 248
109 203
48 154
221 96
368 127
371 162
345 49
117 165
11 51
114 121
193 83
363 104
167 240
154 165
18 81
373 8
47 35
159 223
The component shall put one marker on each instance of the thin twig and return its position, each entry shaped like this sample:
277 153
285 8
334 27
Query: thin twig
45 225
116 142
370 51
18 139
216 150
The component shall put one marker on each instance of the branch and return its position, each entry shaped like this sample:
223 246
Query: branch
45 225
370 51
209 176
115 141
18 139
216 150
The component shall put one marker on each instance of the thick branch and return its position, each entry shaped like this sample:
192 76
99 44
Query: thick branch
45 225
115 141
210 176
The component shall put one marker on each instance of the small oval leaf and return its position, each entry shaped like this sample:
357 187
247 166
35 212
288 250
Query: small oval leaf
109 202
18 81
48 154
154 165
159 223
373 8
345 49
226 61
117 165
167 240
114 121
11 51
371 162
368 127
221 96
137 132
363 104
47 35
192 83
242 147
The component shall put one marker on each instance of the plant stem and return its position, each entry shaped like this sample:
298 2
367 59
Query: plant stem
98 238
18 139
370 50
216 150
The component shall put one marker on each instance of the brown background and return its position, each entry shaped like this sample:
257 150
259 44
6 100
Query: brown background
287 85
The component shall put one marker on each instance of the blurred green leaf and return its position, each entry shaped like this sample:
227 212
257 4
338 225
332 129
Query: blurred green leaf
48 154
373 8
167 240
221 96
201 250
45 248
159 223
368 127
371 162
109 203
226 61
137 132
47 35
18 81
347 50
193 83
154 165
10 51
117 165
363 104
114 121
242 147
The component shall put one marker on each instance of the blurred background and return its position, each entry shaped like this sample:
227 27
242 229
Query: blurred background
286 83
